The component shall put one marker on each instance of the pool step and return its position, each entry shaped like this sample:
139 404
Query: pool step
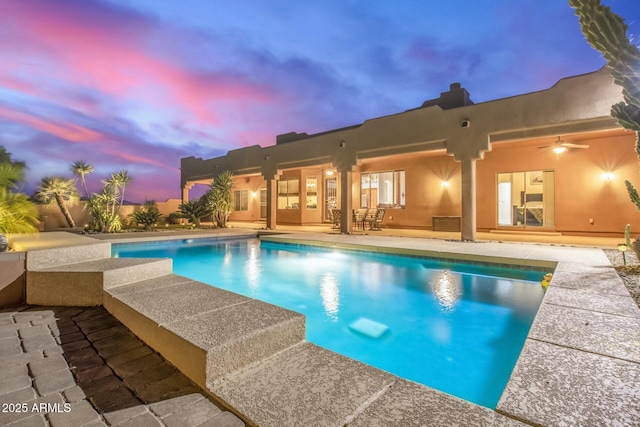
82 284
206 332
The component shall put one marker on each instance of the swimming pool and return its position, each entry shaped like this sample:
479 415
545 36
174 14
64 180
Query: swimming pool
458 328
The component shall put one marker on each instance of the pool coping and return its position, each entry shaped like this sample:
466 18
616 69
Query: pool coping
584 284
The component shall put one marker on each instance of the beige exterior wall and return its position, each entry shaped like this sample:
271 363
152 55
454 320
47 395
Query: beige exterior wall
53 219
12 278
474 142
581 192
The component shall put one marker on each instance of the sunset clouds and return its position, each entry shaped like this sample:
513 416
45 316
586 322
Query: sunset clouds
138 84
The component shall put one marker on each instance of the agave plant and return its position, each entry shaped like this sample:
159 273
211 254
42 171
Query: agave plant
147 216
194 210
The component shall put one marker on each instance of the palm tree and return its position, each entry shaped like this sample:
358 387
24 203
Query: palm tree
59 190
17 213
119 181
80 168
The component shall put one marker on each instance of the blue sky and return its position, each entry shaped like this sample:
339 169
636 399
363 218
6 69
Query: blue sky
138 84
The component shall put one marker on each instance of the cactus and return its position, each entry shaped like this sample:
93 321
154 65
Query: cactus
606 32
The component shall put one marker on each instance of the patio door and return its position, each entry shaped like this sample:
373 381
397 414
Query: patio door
526 199
330 196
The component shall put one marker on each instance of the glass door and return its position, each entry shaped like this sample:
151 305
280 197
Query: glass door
330 196
526 199
263 203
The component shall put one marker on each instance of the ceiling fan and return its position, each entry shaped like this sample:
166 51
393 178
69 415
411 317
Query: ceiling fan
561 146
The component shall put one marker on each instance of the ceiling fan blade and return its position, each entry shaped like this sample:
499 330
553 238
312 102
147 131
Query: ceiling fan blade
571 145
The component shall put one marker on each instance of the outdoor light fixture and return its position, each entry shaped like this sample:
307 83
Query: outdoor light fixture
607 176
445 184
343 143
254 194
622 247
329 173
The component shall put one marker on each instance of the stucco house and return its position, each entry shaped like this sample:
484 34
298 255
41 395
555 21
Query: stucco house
549 161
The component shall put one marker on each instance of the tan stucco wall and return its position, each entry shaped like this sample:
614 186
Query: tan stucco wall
581 191
53 219
12 278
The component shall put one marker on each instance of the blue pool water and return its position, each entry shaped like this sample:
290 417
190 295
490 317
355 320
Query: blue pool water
454 327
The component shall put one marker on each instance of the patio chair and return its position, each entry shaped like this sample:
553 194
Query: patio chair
359 218
336 219
374 223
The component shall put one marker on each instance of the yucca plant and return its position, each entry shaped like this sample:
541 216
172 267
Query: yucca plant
218 199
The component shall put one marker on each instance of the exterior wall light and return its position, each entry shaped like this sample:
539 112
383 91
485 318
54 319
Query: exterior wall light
329 173
254 194
445 184
607 176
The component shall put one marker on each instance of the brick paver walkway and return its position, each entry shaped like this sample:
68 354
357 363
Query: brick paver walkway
68 366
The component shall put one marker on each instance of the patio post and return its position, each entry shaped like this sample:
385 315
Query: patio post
185 192
468 221
346 204
272 202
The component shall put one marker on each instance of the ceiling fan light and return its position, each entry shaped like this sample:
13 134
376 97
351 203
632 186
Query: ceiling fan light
559 150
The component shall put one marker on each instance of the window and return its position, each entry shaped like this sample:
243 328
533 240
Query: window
312 193
382 190
241 200
289 194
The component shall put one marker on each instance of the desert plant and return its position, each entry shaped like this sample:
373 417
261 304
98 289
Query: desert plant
17 213
218 199
103 219
61 191
194 210
81 169
148 215
118 182
607 33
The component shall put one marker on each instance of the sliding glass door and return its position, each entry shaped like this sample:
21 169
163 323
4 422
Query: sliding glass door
526 199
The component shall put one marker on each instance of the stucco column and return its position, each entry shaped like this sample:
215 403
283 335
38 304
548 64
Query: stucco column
272 203
185 192
468 226
346 218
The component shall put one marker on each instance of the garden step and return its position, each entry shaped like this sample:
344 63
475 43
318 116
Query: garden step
82 284
204 331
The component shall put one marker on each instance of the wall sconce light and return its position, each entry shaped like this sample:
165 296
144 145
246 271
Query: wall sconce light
608 176
266 157
254 194
343 143
445 184
329 173
465 123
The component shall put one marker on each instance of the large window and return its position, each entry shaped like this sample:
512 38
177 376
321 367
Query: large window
241 200
312 193
289 194
382 190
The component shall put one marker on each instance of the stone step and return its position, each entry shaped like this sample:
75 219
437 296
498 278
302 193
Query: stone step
82 284
46 250
206 332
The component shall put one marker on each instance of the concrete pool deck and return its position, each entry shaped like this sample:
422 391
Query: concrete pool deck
580 364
